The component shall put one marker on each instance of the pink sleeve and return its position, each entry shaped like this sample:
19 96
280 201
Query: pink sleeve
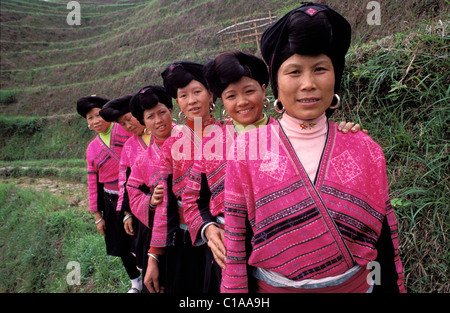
234 277
190 196
92 179
123 167
139 200
159 233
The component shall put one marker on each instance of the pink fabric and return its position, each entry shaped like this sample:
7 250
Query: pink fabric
132 150
144 173
177 157
103 164
211 163
301 230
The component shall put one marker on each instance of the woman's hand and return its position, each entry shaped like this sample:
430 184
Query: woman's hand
215 236
157 196
151 279
348 126
100 223
128 224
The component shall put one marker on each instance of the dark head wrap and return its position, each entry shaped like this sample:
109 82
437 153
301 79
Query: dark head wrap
146 99
115 108
180 74
308 30
229 67
87 103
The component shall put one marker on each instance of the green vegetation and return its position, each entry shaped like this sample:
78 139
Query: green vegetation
40 234
398 88
395 85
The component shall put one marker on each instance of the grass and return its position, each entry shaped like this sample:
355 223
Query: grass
55 137
40 234
398 89
54 65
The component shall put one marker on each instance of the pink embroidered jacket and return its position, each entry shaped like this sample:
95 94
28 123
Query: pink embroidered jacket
132 150
204 195
177 157
143 179
103 166
302 229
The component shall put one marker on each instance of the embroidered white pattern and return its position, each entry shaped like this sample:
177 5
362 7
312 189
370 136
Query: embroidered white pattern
374 149
345 166
274 165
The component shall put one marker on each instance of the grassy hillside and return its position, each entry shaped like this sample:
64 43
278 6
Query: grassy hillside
395 84
120 46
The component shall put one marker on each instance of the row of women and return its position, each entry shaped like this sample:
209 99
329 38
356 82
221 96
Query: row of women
189 208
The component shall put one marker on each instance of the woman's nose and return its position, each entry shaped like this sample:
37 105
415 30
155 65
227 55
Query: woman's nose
307 81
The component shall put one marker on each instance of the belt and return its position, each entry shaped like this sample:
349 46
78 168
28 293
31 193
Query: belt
112 192
220 219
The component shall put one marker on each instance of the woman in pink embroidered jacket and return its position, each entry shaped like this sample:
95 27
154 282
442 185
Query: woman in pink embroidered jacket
152 107
240 80
103 156
184 263
118 110
316 200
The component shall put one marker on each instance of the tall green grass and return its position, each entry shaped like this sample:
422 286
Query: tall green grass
398 88
34 138
40 234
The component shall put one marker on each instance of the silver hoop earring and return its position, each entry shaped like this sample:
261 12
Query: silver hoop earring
212 107
89 126
225 114
181 117
266 103
275 107
338 102
147 132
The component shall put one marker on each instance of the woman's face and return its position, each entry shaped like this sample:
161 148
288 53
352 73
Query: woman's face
244 100
131 124
194 100
159 121
96 122
306 85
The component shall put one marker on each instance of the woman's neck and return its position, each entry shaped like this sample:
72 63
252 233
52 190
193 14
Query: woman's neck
195 125
304 128
240 128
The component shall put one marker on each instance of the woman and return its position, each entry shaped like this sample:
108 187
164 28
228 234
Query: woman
185 263
103 156
118 110
152 107
318 204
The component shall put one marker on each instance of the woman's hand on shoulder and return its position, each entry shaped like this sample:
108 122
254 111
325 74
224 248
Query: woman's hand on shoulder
345 127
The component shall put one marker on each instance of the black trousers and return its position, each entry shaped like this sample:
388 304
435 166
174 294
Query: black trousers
185 265
118 243
213 273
